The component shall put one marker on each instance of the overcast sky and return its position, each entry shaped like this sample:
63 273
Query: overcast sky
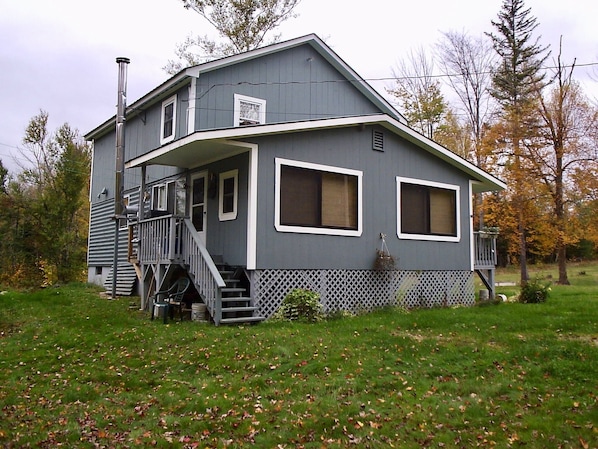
59 55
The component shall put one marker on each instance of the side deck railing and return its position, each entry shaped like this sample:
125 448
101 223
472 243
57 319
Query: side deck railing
172 239
485 260
485 250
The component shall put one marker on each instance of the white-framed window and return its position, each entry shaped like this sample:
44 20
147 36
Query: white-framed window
169 197
249 111
228 195
168 120
428 210
159 197
317 199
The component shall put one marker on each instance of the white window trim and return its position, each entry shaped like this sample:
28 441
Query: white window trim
237 108
165 103
228 215
435 238
310 230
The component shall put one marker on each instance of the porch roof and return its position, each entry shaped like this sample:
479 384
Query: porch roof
202 147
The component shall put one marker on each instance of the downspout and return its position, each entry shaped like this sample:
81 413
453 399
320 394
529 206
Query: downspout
120 161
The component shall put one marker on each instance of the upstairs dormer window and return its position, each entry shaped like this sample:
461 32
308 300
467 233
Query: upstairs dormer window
249 111
168 121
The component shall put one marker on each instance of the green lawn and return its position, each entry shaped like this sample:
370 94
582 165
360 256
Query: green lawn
80 371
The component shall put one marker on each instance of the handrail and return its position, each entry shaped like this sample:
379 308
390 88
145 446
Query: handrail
174 239
207 277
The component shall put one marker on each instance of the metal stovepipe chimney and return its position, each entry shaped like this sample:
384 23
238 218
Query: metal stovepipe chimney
120 161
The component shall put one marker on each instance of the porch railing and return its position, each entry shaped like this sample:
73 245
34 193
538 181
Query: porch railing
172 239
158 241
485 250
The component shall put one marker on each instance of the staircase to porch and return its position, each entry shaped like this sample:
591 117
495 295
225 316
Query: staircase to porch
237 305
165 244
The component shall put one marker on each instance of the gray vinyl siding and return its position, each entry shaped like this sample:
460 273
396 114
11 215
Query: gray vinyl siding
298 84
351 148
101 232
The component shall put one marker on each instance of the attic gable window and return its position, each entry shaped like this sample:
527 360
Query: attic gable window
428 210
168 120
249 111
317 199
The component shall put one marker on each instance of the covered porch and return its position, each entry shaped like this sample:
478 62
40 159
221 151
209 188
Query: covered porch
164 244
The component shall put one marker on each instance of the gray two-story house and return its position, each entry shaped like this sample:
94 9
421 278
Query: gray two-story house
281 168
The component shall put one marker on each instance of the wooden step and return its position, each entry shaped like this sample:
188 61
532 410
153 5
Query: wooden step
233 290
241 320
236 299
239 309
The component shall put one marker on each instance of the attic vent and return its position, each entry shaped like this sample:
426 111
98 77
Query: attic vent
378 140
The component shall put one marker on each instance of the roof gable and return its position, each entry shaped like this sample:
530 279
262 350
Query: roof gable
326 52
185 76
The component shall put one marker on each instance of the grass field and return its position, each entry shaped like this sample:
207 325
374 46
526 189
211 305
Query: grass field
80 371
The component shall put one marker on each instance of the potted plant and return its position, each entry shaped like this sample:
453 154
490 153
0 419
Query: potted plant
384 260
488 232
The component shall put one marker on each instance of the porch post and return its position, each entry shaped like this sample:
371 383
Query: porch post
140 211
141 207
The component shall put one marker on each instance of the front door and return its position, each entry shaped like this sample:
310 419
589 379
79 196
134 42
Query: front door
199 203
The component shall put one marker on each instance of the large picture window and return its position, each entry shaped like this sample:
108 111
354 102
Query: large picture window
317 199
427 210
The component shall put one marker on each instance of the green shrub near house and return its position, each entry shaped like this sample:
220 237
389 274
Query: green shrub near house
300 305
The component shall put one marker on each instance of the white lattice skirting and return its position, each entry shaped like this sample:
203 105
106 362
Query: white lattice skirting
364 290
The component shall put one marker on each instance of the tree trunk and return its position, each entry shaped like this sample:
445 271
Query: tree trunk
562 256
522 253
561 246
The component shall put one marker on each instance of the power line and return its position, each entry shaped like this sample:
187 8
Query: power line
9 146
360 79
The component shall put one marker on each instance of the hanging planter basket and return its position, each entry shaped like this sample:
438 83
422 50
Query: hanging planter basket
384 260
